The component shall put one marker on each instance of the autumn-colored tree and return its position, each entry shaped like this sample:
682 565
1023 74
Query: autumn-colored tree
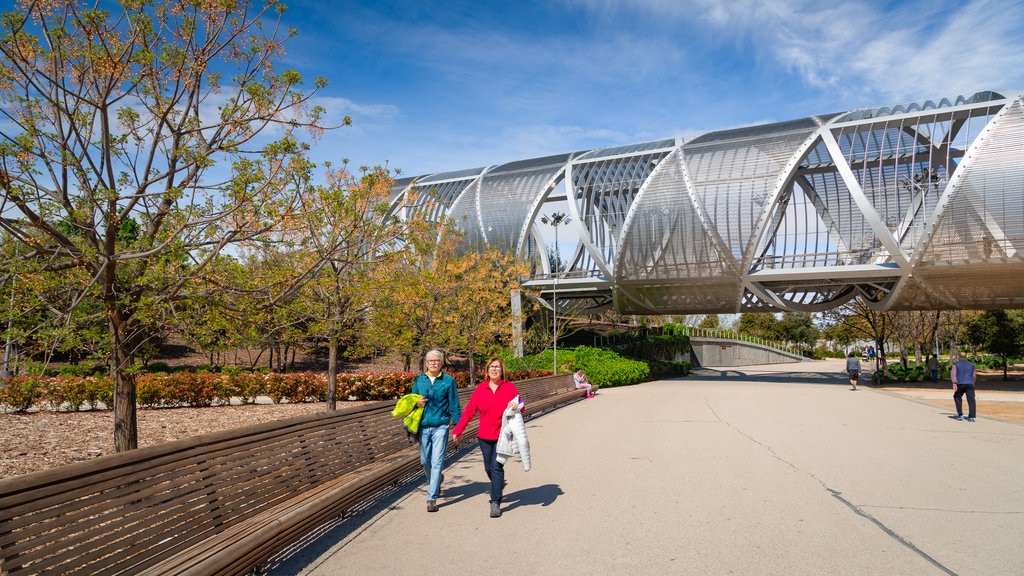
156 113
435 294
346 224
411 311
486 280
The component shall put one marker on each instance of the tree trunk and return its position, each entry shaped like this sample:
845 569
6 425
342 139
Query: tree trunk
332 374
126 430
472 371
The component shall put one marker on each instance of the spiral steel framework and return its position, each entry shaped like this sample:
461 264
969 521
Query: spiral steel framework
917 206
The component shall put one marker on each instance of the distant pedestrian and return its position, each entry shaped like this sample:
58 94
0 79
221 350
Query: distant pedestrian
963 375
853 369
933 365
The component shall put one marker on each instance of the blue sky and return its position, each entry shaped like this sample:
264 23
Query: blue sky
450 85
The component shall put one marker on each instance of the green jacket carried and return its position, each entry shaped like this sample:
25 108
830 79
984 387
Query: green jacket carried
410 413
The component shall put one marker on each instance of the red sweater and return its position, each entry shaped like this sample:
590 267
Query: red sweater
491 406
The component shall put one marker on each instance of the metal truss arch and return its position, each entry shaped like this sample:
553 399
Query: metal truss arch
911 206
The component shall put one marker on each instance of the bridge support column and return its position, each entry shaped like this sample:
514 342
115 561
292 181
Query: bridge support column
517 323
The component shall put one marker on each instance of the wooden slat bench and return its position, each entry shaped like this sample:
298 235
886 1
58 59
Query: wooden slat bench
215 504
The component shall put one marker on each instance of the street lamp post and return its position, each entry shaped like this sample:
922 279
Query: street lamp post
6 372
555 220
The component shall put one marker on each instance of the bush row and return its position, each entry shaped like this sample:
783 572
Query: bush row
75 393
603 367
918 372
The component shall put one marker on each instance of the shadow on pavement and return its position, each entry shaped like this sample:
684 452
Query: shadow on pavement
538 495
789 377
462 492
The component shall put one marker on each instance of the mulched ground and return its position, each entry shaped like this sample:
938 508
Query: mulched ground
43 440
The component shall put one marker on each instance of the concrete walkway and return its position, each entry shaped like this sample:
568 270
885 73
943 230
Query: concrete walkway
762 470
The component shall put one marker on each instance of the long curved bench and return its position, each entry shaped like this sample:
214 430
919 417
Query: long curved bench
215 504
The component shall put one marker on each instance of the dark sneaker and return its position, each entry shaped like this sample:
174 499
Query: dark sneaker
958 417
431 506
970 419
495 510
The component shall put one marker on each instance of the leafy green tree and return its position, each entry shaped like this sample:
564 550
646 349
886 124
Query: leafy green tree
998 332
799 328
759 325
710 322
837 330
157 113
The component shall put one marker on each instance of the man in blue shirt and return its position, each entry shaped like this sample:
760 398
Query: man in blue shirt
441 408
962 374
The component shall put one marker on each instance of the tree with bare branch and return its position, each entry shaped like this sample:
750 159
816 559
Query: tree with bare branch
170 114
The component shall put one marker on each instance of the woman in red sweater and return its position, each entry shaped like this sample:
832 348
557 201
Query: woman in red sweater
491 397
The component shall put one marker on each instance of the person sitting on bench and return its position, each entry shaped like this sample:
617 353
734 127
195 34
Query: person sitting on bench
580 379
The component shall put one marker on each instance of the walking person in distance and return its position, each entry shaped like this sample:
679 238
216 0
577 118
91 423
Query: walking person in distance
853 369
963 376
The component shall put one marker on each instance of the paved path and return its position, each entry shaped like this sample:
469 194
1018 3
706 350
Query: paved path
762 470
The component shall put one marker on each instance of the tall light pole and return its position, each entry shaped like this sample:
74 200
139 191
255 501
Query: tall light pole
555 220
6 372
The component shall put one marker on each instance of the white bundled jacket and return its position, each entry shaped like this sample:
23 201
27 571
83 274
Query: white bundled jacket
512 439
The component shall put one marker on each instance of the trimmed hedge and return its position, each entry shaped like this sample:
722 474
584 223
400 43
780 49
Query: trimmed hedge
603 367
72 393
179 389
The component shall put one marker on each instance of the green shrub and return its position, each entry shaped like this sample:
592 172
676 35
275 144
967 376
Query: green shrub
233 370
158 367
667 369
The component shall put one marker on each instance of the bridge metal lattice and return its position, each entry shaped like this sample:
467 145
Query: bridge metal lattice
917 206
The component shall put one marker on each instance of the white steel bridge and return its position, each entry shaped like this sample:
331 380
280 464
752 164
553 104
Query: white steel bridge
917 206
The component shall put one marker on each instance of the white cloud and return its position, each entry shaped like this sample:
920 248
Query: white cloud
865 50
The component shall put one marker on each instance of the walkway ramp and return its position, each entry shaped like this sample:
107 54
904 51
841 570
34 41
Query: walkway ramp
778 469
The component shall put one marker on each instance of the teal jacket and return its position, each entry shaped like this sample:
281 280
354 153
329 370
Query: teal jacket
442 396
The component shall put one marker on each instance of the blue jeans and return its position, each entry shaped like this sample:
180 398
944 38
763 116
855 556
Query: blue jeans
433 445
495 470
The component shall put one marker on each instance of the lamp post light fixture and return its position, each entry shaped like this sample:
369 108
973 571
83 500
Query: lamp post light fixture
555 220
